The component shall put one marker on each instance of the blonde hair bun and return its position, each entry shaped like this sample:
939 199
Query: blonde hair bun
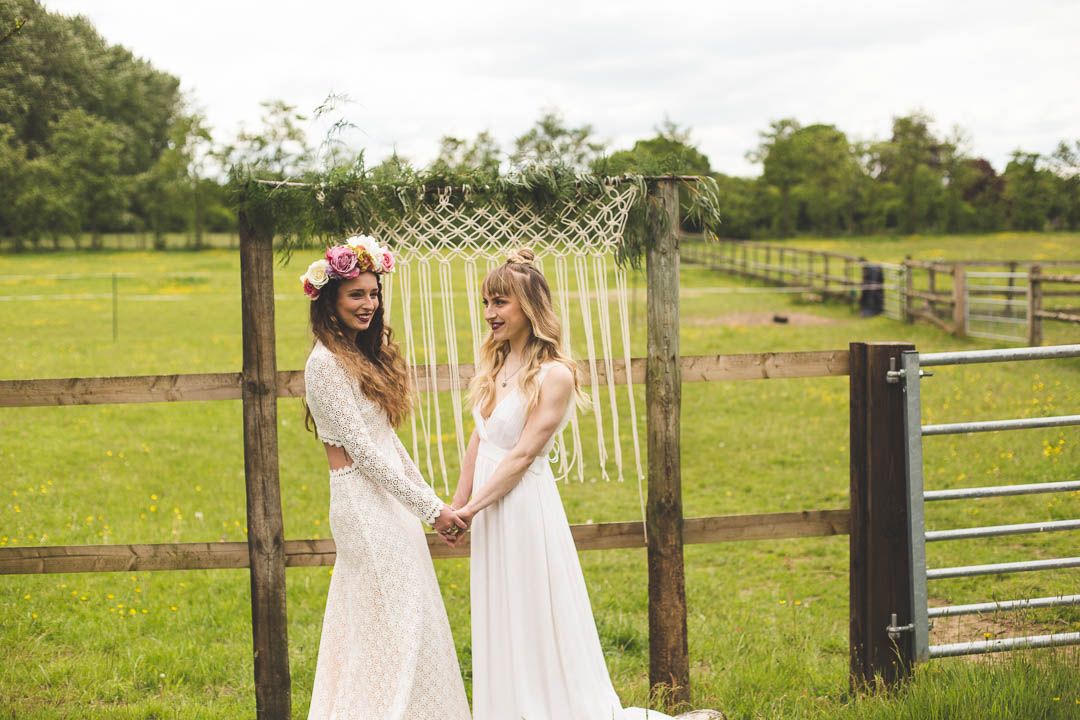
522 256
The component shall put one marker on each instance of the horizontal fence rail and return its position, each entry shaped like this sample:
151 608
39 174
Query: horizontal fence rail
1000 491
290 383
999 530
306 553
1001 355
1004 605
996 425
1002 568
991 646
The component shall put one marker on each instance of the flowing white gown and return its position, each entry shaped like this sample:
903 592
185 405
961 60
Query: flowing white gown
386 651
535 649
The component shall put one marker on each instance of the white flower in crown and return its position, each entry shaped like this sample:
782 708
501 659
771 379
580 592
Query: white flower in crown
366 242
318 273
377 256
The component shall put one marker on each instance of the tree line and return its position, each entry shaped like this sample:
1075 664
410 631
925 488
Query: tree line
96 140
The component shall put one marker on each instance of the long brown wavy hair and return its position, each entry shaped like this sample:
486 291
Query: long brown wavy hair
520 279
373 358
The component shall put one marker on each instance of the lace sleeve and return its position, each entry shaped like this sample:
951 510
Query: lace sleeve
411 471
338 416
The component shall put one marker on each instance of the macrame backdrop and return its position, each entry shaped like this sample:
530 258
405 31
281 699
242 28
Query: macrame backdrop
451 241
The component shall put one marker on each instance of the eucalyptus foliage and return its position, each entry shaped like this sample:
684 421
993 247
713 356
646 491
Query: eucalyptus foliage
325 207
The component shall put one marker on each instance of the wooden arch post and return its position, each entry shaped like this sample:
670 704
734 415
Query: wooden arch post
266 534
669 659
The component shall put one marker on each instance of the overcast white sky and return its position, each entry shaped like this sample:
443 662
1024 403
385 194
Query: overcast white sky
1004 71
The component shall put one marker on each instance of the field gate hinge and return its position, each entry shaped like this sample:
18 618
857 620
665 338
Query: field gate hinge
894 376
894 631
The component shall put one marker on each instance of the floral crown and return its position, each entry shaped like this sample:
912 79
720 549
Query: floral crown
358 254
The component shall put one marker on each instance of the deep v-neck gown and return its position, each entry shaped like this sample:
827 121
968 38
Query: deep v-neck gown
535 649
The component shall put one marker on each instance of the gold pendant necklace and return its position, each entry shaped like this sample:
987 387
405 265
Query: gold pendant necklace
507 378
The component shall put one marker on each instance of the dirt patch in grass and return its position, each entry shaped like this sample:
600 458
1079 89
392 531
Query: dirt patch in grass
755 318
989 626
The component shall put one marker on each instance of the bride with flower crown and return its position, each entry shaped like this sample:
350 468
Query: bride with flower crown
386 651
535 649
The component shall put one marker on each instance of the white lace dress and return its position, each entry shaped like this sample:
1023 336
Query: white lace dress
535 650
386 651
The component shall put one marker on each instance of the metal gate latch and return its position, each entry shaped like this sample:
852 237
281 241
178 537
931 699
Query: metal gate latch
894 631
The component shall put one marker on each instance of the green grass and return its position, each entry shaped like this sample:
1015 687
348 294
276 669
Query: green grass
767 620
1004 246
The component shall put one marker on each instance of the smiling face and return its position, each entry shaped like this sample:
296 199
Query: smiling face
504 315
357 301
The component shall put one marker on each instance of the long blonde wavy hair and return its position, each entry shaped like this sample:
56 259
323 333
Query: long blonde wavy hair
373 358
520 279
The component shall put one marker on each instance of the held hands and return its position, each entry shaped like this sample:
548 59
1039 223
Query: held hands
450 526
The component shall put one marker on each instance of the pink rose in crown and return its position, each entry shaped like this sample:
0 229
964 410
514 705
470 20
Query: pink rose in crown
310 290
388 261
343 262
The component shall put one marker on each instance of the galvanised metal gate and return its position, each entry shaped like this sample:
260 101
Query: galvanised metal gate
909 375
995 305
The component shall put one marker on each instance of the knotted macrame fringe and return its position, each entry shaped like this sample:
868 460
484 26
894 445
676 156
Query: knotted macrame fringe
466 241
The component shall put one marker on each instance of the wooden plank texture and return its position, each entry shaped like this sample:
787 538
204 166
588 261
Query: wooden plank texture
290 383
669 655
880 568
47 559
266 534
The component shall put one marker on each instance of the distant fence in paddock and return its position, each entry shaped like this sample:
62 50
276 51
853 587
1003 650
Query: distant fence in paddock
993 299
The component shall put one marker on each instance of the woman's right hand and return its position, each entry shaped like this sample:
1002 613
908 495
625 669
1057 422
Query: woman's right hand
448 524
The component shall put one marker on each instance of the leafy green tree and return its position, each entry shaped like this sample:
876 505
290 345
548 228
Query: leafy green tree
59 63
12 29
1028 188
551 142
45 207
1065 165
12 161
87 156
669 153
778 156
458 155
280 148
828 191
912 160
166 191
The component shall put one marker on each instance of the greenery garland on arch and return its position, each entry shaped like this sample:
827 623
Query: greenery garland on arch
325 207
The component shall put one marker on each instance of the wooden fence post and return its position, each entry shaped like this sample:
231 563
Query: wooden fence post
880 572
1034 305
909 285
959 294
669 660
266 536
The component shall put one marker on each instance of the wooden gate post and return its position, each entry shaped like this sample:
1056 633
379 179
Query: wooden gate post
880 573
669 659
266 536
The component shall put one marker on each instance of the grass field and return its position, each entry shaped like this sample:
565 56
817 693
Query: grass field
768 620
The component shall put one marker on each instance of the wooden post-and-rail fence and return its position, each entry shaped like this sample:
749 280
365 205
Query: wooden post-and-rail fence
934 291
267 553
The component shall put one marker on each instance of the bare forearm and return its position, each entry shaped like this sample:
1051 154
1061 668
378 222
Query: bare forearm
464 489
505 478
468 466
